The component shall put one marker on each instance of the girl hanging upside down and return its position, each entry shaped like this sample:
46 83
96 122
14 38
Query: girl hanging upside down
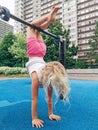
50 75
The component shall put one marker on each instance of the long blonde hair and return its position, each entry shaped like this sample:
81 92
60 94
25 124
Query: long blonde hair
54 75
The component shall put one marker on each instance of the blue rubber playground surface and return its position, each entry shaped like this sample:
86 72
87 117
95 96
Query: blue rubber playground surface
80 114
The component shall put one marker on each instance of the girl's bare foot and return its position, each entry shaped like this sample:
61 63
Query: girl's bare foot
53 13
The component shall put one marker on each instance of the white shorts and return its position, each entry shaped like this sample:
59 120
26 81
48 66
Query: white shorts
35 64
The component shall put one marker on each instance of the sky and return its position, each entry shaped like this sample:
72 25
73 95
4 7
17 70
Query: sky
10 5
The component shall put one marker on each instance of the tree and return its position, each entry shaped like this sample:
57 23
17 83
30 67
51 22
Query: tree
81 64
93 42
18 49
53 48
71 50
6 58
52 53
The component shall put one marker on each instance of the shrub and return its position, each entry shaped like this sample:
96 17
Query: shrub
3 69
12 70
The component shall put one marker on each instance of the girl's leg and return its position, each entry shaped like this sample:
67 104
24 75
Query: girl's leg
35 84
44 21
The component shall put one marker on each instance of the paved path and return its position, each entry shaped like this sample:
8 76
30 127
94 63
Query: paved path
83 77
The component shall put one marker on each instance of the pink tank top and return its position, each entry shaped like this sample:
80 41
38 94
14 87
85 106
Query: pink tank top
35 47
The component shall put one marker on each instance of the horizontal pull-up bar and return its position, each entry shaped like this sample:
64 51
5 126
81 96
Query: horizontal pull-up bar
6 15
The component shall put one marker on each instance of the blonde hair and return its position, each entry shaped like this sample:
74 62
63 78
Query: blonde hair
54 75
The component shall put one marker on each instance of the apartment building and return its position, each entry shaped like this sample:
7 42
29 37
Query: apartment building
27 10
69 17
5 27
87 15
19 12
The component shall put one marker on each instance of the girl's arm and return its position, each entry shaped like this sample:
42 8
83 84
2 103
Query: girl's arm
50 109
50 106
35 84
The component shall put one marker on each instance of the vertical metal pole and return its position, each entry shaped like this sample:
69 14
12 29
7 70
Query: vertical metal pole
62 51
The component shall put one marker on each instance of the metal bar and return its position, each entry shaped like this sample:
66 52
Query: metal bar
28 24
62 50
33 26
